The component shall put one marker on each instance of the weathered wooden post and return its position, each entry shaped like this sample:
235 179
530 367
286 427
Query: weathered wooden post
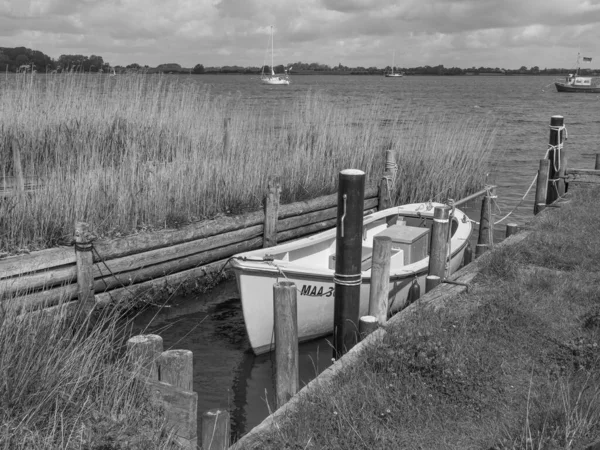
348 276
271 214
215 430
597 163
176 367
143 352
367 325
438 253
380 278
85 262
541 188
486 224
285 317
432 281
511 228
386 185
556 181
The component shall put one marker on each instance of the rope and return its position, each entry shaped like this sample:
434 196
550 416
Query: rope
521 201
557 149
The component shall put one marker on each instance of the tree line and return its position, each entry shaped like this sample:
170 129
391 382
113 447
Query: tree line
21 59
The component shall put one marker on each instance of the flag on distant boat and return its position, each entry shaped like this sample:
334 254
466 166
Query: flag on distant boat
586 59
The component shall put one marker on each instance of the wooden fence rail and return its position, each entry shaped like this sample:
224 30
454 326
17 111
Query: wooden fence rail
131 265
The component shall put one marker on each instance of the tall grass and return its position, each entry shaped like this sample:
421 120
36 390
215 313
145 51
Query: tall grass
141 151
64 387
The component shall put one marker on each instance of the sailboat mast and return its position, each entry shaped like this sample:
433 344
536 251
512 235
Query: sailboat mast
272 68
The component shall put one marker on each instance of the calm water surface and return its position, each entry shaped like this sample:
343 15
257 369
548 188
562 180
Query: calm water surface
226 373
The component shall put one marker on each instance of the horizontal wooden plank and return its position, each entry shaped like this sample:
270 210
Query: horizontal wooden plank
585 172
35 261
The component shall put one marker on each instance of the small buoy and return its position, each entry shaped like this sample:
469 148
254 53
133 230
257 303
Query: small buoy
414 293
468 255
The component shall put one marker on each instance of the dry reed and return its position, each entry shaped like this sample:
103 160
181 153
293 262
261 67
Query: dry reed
139 152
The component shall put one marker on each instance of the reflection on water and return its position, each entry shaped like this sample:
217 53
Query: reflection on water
226 373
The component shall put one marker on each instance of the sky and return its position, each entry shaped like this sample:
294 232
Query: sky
455 33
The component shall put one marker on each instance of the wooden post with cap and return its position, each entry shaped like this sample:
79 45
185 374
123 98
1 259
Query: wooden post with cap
556 180
348 274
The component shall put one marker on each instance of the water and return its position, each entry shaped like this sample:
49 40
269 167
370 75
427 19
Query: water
226 373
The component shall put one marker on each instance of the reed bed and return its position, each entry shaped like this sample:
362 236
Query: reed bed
139 152
64 386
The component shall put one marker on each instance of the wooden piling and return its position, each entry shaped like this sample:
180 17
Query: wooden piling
511 228
541 189
486 224
386 184
285 317
271 214
176 367
597 164
367 324
439 241
143 352
431 281
85 267
380 278
556 155
348 276
215 430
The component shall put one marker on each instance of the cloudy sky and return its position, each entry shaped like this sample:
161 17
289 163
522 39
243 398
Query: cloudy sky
461 33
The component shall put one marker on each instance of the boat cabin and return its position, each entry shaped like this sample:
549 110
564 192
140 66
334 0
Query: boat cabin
576 80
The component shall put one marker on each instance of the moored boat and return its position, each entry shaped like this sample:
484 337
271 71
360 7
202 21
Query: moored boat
577 83
273 78
310 263
393 74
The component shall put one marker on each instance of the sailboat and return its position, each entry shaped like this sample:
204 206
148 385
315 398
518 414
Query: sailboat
273 78
392 73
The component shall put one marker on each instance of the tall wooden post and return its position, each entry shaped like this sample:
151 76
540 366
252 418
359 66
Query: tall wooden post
85 261
348 276
271 213
285 317
439 241
541 188
380 278
386 184
215 430
486 224
556 181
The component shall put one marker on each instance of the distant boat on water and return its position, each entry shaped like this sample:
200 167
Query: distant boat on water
393 74
274 78
576 83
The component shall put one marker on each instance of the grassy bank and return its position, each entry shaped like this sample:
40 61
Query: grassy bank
512 364
137 152
63 387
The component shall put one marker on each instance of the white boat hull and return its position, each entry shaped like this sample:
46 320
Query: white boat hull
305 263
275 80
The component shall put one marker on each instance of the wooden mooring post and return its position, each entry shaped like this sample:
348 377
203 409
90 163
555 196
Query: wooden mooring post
541 189
386 185
85 268
168 376
367 324
271 214
438 253
597 163
380 278
486 223
348 276
511 228
557 157
285 317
